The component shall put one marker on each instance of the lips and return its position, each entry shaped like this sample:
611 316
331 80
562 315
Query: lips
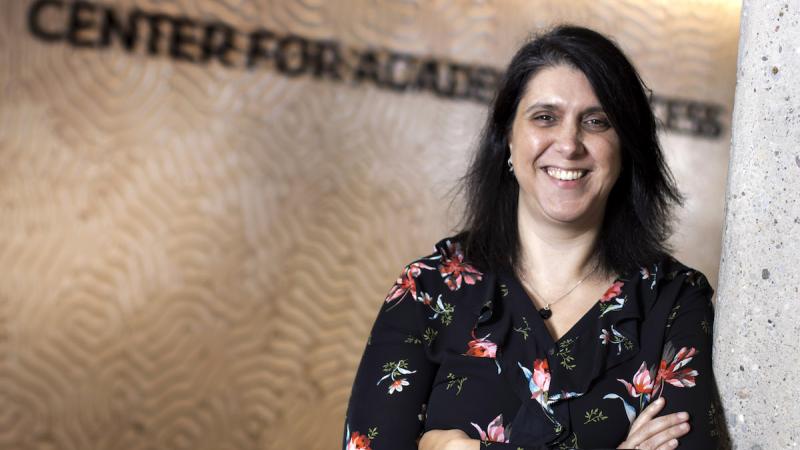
565 174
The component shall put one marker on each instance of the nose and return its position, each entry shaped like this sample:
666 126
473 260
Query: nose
569 141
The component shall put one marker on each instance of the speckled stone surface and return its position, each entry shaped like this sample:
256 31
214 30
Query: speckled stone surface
757 331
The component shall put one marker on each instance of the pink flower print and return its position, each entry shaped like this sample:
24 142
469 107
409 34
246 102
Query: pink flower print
482 348
454 270
405 283
541 376
675 373
642 383
612 291
358 441
425 298
615 337
495 432
397 385
605 336
395 371
538 381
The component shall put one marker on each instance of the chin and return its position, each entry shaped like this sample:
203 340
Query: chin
565 218
570 216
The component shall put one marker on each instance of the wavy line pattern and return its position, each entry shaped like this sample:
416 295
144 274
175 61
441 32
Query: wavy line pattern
193 256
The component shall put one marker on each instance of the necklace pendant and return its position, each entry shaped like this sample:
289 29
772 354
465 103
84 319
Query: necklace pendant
545 312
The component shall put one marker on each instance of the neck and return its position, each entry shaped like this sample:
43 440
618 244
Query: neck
555 254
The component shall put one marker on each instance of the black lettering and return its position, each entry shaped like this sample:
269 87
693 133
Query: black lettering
219 48
397 71
677 116
182 39
659 107
453 81
482 83
292 58
79 23
711 126
704 119
35 20
154 21
258 48
367 67
112 26
326 60
426 76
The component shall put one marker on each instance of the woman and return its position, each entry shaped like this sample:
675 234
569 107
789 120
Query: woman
556 318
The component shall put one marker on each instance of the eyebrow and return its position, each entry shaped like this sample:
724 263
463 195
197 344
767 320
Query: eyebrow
553 106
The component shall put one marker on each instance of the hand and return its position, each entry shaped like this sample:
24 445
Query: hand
448 440
649 432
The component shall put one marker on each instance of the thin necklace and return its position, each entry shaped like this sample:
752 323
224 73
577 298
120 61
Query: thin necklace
545 312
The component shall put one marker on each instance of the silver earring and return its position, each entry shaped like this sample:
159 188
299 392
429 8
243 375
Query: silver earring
510 165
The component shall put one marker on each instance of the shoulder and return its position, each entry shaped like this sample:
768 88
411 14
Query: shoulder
440 293
671 287
445 268
679 276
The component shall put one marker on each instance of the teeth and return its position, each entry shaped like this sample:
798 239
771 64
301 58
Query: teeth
565 175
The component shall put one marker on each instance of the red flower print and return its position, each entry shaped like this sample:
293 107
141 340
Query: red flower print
405 283
454 270
538 381
482 348
397 385
642 383
495 432
541 376
393 371
612 292
675 373
425 298
358 441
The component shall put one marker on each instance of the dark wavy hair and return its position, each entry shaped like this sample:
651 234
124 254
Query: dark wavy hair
638 214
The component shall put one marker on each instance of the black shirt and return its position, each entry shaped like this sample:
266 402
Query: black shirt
455 348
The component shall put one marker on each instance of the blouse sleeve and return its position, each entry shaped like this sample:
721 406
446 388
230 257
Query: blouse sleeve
685 378
393 382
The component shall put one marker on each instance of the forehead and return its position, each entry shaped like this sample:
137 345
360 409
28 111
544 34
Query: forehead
559 86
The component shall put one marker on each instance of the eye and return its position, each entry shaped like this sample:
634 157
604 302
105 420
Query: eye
543 117
597 123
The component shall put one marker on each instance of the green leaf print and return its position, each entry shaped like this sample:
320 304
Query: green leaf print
458 382
564 349
524 331
594 415
429 336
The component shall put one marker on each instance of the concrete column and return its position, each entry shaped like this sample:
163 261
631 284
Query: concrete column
757 331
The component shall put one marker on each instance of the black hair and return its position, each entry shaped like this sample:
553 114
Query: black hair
638 215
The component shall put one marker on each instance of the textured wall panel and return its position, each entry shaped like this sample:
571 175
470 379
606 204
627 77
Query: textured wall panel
192 255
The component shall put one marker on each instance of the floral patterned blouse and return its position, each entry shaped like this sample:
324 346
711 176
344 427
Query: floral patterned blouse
454 348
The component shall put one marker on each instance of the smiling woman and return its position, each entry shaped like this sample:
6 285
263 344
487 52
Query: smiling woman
567 154
557 317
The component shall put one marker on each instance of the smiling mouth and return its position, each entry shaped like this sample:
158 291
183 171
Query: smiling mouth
565 175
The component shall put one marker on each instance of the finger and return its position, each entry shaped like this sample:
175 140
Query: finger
437 439
669 445
671 423
668 435
648 413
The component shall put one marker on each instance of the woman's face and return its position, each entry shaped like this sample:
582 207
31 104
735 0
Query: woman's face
565 153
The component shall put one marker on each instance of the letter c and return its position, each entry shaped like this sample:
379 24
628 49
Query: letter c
35 14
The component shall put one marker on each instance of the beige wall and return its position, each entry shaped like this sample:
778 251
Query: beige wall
192 255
